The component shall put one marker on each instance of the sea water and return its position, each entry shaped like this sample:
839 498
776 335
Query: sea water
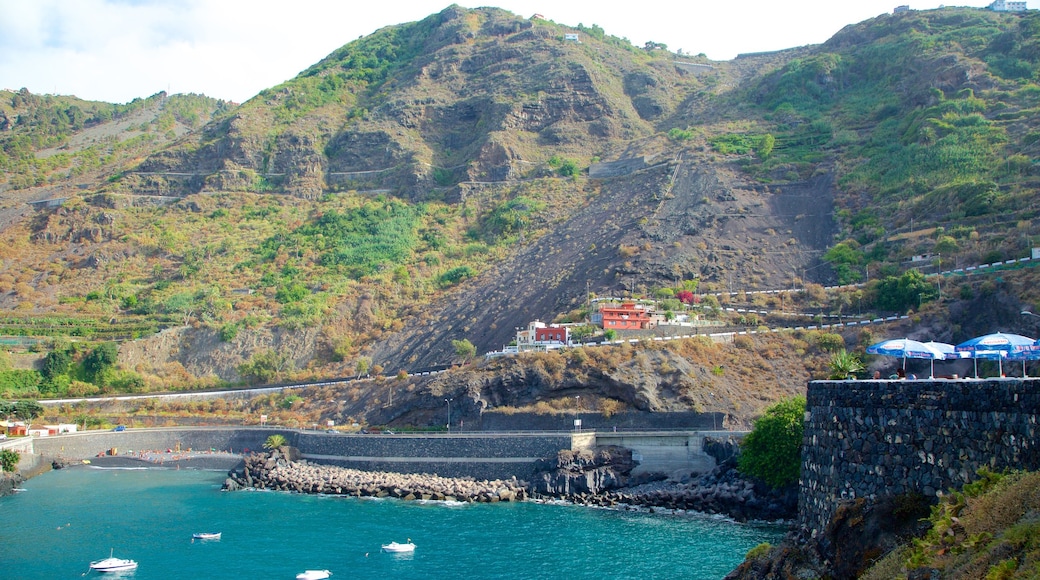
65 519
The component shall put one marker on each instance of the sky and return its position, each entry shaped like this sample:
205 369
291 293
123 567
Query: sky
118 50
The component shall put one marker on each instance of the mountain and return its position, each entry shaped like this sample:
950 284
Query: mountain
455 178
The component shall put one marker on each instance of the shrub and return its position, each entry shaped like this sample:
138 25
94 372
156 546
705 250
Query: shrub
8 460
229 331
772 451
456 275
830 342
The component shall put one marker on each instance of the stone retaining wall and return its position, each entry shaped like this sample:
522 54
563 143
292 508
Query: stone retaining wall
90 443
869 439
479 455
625 421
482 456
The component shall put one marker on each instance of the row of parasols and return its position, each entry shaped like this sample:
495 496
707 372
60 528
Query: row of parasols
999 346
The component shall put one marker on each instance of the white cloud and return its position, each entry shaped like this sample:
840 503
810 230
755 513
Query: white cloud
117 50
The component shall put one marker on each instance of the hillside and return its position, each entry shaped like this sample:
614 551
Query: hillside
457 177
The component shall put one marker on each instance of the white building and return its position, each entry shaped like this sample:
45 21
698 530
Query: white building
1005 6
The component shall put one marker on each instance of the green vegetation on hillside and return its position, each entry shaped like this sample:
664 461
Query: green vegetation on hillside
929 117
989 529
30 124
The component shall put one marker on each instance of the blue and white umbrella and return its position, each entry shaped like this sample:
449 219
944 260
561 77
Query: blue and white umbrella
999 346
1026 353
905 348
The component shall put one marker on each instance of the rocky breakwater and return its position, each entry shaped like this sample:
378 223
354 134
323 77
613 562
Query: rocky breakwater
603 478
282 470
722 491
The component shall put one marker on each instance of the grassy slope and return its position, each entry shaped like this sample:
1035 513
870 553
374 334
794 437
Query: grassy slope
989 530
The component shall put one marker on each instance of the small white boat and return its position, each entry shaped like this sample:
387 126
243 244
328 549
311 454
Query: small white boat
394 547
206 535
112 564
313 575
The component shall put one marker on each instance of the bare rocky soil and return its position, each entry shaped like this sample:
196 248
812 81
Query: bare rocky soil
684 219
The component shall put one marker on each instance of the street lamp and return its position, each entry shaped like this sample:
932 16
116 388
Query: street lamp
448 402
577 410
714 421
1028 313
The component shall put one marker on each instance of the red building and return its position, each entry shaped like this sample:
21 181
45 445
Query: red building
628 316
552 333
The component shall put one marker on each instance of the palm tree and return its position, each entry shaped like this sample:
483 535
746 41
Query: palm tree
275 441
844 365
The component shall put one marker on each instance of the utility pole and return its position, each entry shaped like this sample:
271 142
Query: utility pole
938 279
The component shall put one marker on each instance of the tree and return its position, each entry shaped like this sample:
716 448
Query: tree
610 334
362 366
464 349
102 358
845 258
907 291
765 146
772 451
56 363
27 410
264 367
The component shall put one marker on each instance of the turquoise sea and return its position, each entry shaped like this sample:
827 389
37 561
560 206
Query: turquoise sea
67 518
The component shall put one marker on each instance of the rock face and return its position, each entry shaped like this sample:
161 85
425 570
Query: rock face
585 472
8 482
858 534
278 470
722 491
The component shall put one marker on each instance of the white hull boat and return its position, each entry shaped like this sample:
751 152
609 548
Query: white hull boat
206 535
112 564
395 548
313 575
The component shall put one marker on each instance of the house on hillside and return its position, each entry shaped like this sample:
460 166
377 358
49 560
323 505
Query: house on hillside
539 333
1005 6
537 337
626 316
574 37
898 9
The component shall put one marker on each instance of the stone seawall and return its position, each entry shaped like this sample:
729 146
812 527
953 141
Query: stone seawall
872 439
482 456
624 421
479 455
88 444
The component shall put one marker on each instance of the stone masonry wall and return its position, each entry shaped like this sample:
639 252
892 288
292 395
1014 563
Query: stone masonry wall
482 456
869 439
90 443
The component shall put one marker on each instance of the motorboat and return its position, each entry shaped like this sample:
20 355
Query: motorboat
113 564
313 575
394 547
206 536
